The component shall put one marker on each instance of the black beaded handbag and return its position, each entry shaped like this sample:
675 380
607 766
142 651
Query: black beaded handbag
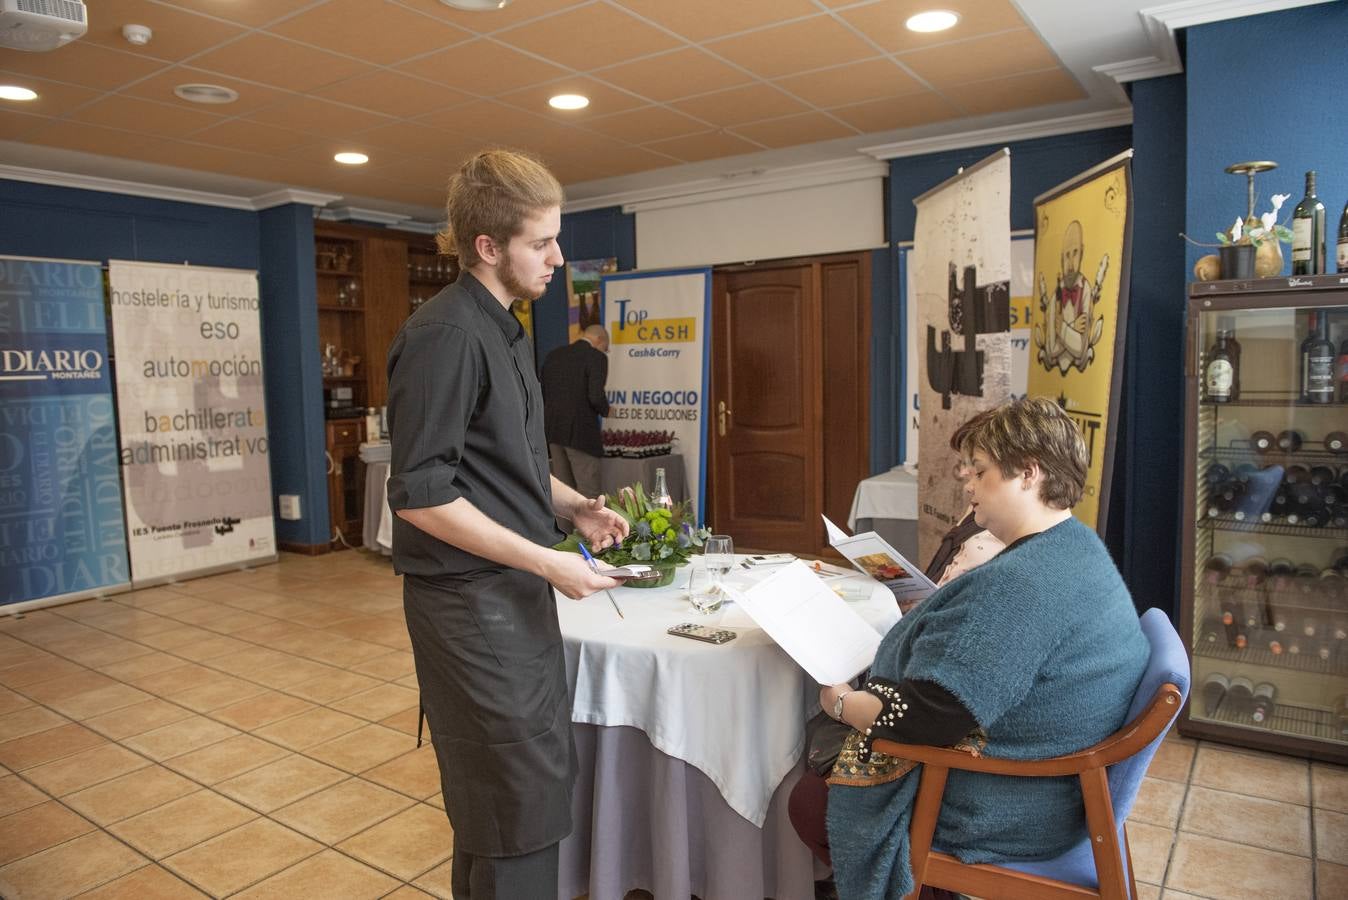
824 739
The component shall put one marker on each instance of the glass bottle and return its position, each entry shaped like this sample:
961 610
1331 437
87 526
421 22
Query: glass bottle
1308 232
1317 362
1289 440
1220 375
1263 441
1264 701
1215 687
660 493
1341 257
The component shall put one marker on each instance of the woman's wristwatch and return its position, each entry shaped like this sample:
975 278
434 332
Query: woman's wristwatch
838 705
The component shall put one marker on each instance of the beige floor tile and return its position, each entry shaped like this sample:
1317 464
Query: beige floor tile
309 728
338 812
247 662
17 794
151 663
1158 802
237 621
1172 761
176 637
93 766
1150 846
410 843
1331 881
437 881
345 652
181 737
378 702
333 686
405 721
293 671
1330 786
409 681
1331 836
265 708
407 892
388 667
277 784
241 857
45 746
204 651
175 681
1248 820
216 694
1148 891
45 668
71 868
181 823
67 686
29 720
226 759
99 651
137 719
1226 871
416 774
362 749
88 704
329 875
272 631
35 829
146 883
1251 772
129 795
11 701
1176 895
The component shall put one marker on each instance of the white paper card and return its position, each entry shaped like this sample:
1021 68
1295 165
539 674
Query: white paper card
810 622
873 556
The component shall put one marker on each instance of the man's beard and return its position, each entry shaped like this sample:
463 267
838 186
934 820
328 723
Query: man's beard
510 281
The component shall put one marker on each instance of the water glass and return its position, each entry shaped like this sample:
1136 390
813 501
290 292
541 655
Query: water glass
718 552
703 593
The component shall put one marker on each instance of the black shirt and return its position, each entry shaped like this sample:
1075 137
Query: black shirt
465 417
573 396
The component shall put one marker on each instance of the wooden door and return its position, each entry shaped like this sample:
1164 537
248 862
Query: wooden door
790 391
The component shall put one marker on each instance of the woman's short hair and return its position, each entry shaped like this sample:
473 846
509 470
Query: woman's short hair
492 193
1031 430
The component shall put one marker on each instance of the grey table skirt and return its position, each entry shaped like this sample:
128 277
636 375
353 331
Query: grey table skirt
647 820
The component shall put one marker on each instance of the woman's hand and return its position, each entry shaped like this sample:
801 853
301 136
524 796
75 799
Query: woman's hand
828 696
859 709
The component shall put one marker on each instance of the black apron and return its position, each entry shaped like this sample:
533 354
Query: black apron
492 674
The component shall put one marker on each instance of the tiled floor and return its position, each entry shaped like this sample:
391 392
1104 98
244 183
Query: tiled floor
251 735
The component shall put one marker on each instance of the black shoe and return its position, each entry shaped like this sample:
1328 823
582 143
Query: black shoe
825 890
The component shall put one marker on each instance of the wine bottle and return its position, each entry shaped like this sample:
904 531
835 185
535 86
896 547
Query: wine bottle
1296 474
1211 633
1337 441
1255 570
1239 697
1289 440
1216 568
1263 441
1215 687
1263 700
1341 257
1228 324
1317 362
1341 372
1321 476
1308 232
1219 376
1217 474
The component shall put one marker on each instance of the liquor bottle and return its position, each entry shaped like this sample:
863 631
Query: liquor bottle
1341 372
1277 507
1217 474
1317 516
1308 232
1216 568
1239 697
1338 516
1317 362
660 493
1219 376
1337 441
1225 500
1341 256
1228 323
1243 472
1263 701
1321 476
1263 441
1233 623
1255 570
1338 561
1289 440
1296 474
1215 687
1271 641
1211 633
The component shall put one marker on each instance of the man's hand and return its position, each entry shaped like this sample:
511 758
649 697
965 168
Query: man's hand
573 576
600 526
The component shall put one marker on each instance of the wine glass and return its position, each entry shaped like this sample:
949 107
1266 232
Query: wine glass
718 552
703 593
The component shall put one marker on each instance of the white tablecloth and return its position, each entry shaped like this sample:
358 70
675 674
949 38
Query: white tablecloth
889 495
736 712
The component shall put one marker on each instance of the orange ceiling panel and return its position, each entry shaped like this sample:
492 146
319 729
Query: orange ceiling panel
177 34
980 59
483 67
869 80
88 65
883 22
252 96
393 94
700 20
794 47
743 104
1015 92
707 145
896 112
669 76
791 130
371 30
588 35
279 63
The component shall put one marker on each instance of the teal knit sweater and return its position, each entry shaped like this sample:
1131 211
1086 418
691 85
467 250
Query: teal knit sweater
1043 646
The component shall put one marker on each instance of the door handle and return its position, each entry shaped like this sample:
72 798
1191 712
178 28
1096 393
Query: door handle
721 415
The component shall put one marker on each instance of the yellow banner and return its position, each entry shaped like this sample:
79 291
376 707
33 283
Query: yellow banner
1080 265
654 331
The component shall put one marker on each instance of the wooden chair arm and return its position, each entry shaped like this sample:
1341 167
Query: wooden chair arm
1120 745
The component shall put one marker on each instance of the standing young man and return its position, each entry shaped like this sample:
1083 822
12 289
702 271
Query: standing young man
474 517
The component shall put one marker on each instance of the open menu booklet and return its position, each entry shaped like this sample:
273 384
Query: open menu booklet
810 622
873 556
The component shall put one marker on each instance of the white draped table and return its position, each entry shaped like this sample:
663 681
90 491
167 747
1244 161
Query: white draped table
687 750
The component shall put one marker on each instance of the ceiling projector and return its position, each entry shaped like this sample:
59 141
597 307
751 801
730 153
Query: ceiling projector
41 24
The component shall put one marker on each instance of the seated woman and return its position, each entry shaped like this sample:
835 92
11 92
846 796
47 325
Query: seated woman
1035 653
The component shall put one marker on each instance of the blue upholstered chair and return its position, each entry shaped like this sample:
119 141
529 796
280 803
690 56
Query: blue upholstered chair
1110 772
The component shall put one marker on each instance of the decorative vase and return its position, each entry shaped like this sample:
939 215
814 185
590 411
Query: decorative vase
663 576
1268 259
1237 261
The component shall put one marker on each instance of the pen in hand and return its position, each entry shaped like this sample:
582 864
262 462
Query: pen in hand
585 552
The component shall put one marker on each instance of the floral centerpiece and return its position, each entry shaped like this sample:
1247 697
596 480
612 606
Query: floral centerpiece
660 537
1265 233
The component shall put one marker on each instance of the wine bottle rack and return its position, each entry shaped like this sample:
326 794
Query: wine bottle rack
1268 457
1226 523
1305 721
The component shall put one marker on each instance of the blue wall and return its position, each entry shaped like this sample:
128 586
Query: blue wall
1297 116
594 234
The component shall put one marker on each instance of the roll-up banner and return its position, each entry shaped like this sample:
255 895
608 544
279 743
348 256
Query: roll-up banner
190 402
659 360
61 531
961 278
1083 236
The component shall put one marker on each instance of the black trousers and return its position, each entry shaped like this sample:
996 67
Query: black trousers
532 876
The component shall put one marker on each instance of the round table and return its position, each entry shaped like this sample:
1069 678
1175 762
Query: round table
688 750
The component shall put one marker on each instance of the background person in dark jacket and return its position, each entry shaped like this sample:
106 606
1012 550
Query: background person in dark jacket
573 401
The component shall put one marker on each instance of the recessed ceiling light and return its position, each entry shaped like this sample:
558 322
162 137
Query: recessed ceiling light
206 93
932 20
476 5
351 159
14 92
569 101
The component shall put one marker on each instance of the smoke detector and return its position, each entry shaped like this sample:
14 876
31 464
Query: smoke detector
137 34
38 25
476 5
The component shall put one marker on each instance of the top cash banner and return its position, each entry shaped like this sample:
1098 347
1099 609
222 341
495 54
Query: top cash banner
1082 233
193 418
658 361
61 532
